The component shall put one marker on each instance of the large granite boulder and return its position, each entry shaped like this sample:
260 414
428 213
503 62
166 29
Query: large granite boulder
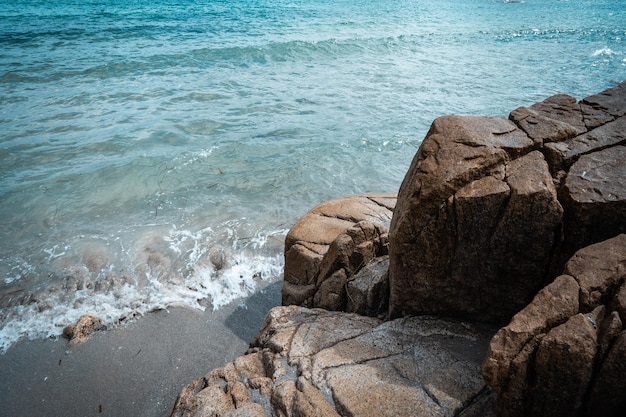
565 353
313 362
491 209
330 244
475 224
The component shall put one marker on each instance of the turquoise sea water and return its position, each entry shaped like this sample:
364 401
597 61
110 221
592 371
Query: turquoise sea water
156 152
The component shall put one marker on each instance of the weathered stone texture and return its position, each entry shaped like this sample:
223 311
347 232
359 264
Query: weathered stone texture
467 220
367 293
331 243
491 209
562 155
560 355
519 220
322 363
604 107
553 120
594 197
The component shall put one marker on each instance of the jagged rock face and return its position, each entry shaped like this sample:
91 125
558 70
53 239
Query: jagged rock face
330 244
594 194
367 293
555 119
587 166
565 353
495 219
466 239
363 367
491 209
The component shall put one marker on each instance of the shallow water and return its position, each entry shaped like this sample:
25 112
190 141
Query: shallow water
156 153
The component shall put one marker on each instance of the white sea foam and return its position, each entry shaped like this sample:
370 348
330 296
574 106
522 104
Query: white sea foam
604 52
180 268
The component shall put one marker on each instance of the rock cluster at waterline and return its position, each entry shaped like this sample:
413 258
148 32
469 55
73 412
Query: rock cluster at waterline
517 221
80 331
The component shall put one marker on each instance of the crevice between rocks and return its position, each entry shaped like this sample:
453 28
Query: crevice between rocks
484 392
378 203
430 395
568 164
339 217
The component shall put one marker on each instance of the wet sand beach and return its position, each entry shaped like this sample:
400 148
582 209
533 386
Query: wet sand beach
134 370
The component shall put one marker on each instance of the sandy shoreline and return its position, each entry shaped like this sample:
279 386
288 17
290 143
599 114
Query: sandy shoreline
135 370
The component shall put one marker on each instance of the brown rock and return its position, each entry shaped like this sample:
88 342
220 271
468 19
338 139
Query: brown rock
608 330
294 294
367 293
283 398
303 332
186 399
331 243
560 355
599 270
561 155
480 143
211 401
246 410
467 219
553 120
363 367
239 393
514 401
229 391
553 305
79 332
331 293
604 107
310 402
564 364
481 405
594 198
349 253
607 394
382 399
322 224
525 237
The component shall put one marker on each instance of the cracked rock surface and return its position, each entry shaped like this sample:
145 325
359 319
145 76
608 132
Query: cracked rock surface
475 224
491 209
565 353
330 244
519 221
364 367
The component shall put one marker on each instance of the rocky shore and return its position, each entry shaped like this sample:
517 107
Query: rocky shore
492 283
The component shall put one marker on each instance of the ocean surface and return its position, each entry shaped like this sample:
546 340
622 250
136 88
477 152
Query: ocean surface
155 153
